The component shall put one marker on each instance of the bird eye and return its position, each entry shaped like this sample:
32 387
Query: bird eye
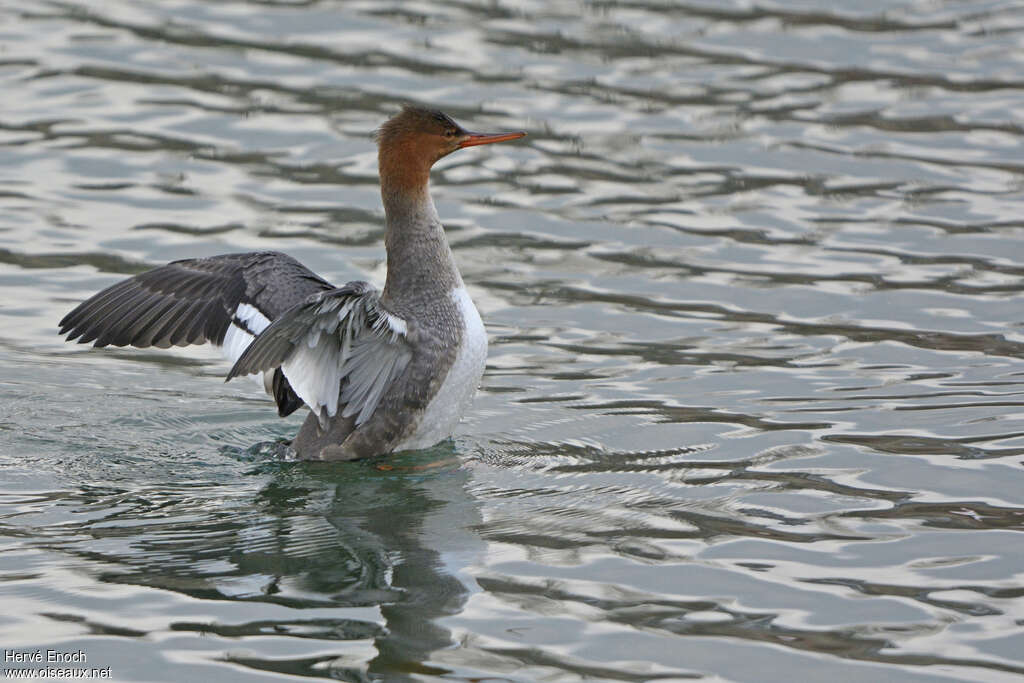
450 133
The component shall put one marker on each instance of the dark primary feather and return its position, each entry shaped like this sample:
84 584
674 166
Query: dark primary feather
190 301
284 396
194 301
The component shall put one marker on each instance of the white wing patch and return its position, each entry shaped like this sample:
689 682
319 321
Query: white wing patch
396 324
341 346
314 371
338 349
237 339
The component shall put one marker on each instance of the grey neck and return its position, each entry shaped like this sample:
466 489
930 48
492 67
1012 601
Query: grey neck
421 269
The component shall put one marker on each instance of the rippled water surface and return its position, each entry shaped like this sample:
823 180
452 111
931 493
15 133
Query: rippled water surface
753 408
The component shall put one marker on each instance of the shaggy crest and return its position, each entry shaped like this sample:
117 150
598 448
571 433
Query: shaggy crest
416 119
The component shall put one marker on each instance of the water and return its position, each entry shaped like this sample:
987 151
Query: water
753 408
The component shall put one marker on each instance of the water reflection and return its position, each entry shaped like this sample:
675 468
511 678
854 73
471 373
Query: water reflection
753 400
369 555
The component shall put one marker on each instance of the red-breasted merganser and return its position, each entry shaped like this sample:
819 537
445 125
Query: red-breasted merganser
380 371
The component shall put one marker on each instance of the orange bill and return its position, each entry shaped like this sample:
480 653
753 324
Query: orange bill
488 138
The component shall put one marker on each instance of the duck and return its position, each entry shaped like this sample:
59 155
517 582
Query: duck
380 371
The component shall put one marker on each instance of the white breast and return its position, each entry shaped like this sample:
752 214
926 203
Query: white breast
456 393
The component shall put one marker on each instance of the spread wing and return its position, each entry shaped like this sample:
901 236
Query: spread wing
337 348
226 300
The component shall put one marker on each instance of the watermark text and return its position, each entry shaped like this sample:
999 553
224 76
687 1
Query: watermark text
46 663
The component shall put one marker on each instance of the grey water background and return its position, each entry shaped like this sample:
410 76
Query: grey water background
753 408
